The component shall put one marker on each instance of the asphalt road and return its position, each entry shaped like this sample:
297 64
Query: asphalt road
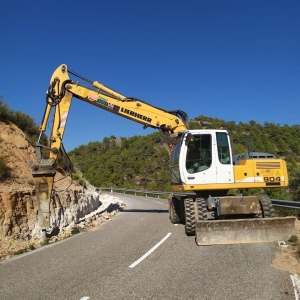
139 254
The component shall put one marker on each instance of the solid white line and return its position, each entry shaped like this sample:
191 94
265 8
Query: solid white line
295 280
149 252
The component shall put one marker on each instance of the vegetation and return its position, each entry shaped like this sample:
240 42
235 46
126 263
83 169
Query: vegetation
4 171
137 162
141 162
22 121
31 246
45 242
293 239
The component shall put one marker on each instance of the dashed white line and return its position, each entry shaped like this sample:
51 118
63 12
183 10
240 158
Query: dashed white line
85 298
149 252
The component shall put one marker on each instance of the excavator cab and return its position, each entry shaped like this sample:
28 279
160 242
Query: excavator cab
202 157
201 162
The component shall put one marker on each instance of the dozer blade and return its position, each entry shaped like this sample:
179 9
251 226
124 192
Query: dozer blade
243 231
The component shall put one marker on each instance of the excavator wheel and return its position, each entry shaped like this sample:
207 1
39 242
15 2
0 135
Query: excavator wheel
201 209
172 202
266 206
190 217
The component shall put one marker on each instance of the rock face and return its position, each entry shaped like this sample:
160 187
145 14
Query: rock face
17 214
17 196
18 201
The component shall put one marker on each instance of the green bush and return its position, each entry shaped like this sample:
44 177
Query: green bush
3 169
293 238
31 247
45 242
22 121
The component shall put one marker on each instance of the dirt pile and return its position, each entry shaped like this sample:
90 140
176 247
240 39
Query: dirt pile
287 259
75 207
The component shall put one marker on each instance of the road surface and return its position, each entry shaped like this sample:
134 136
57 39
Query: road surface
140 254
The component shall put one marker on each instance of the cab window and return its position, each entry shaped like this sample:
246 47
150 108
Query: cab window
223 148
174 164
198 156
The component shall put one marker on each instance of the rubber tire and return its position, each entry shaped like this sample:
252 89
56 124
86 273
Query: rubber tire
201 209
266 206
172 211
190 218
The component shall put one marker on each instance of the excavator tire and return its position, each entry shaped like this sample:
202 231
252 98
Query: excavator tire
190 217
172 202
266 206
201 209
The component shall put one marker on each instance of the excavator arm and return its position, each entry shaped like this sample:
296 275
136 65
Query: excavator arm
62 89
59 97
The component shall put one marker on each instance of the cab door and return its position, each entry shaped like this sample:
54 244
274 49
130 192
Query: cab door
223 158
199 167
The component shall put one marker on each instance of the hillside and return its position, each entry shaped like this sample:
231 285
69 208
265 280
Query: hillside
142 162
138 162
18 202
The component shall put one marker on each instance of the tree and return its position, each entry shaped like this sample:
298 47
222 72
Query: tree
294 185
4 110
152 186
282 147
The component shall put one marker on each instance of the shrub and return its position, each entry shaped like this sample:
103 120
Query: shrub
3 169
45 242
31 247
293 238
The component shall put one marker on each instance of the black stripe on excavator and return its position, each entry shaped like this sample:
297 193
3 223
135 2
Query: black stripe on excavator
116 108
136 115
272 183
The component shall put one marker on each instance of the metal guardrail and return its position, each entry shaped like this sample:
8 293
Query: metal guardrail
275 202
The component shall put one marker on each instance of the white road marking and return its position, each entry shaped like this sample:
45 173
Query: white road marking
149 252
175 224
85 298
157 202
296 284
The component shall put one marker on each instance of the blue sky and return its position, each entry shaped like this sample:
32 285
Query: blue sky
234 60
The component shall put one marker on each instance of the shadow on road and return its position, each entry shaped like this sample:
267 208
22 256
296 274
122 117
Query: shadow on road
145 210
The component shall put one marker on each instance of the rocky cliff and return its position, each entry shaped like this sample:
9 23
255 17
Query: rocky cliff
76 206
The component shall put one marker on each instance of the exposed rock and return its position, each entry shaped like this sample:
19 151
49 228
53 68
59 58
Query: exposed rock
74 209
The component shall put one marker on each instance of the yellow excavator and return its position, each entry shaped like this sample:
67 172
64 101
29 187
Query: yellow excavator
202 167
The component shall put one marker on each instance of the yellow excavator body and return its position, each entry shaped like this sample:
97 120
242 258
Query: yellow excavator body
201 161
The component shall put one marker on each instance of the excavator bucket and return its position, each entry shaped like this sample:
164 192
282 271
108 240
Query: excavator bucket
243 231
